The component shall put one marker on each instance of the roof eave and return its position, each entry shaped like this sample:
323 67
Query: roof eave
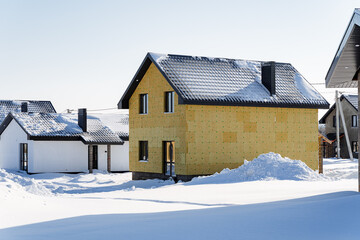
355 20
256 104
124 101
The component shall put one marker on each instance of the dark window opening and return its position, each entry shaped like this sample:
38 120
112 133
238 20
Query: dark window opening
143 103
169 102
143 151
334 121
24 160
354 120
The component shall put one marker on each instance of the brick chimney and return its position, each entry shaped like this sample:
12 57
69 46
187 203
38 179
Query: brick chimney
82 119
24 107
268 76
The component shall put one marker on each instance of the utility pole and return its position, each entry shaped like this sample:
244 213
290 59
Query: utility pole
337 102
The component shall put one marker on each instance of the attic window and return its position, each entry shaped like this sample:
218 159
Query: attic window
169 102
143 104
354 121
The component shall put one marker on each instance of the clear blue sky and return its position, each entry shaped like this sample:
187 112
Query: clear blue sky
84 53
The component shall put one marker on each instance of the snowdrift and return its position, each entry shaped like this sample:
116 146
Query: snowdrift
269 166
15 181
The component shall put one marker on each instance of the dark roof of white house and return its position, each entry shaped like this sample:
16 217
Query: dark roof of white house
117 122
222 81
351 98
60 126
14 106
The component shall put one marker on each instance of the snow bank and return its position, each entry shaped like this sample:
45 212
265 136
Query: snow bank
270 166
19 182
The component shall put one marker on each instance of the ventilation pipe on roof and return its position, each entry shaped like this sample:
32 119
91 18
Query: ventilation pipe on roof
24 107
268 76
82 119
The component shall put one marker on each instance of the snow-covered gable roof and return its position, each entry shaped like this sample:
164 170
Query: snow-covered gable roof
351 98
14 106
62 126
222 81
117 122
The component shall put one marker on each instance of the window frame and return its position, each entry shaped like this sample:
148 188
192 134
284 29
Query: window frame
144 103
169 102
24 157
143 151
354 123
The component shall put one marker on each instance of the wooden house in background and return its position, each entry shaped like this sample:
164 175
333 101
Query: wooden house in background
191 116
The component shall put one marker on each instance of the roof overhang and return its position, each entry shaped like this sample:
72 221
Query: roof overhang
345 66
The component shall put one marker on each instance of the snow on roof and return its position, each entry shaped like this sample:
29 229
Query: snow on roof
117 122
14 106
65 125
232 81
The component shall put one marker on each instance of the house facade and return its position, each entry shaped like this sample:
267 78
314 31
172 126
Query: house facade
349 105
51 142
191 116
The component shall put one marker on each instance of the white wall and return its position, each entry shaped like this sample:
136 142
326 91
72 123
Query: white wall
120 157
10 146
59 156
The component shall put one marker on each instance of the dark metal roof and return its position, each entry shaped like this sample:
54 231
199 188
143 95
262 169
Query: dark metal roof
57 126
14 106
346 62
352 99
117 122
221 81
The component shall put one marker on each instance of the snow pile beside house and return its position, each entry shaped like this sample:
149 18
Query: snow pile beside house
270 166
18 182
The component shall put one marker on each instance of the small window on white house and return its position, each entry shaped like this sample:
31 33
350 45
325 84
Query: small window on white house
354 120
143 151
24 160
143 103
169 102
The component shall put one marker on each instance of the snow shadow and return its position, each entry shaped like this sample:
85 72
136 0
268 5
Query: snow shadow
327 216
128 186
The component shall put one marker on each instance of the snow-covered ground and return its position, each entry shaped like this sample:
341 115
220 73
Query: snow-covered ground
268 198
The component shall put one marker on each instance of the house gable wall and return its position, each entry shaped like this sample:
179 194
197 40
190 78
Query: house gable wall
348 110
156 126
10 141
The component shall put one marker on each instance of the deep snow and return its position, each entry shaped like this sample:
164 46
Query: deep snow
303 205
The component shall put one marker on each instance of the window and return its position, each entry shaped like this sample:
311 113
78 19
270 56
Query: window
143 103
354 120
143 151
169 102
354 146
334 121
24 156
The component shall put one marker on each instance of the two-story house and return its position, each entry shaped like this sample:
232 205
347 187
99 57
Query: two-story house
191 116
349 105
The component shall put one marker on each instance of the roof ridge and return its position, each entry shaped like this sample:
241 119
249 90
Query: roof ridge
214 58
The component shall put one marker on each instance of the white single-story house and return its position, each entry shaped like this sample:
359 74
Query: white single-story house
54 142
